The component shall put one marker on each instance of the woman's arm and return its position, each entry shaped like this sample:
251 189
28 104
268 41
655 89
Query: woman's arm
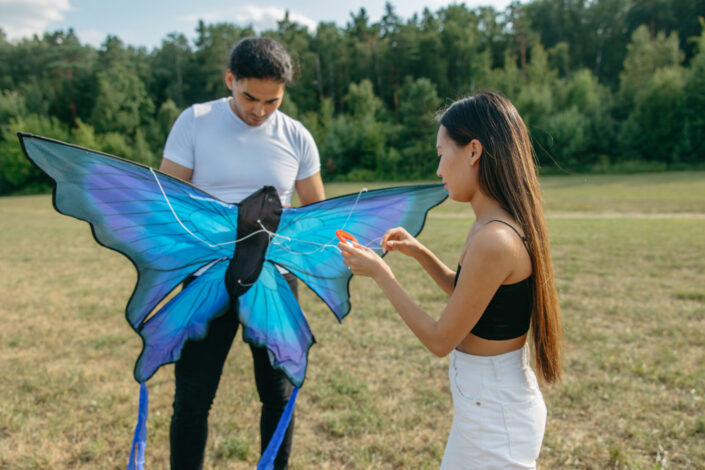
398 239
439 272
492 262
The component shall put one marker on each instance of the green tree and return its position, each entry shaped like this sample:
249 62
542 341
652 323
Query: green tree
332 59
417 139
432 62
362 40
303 94
493 37
167 114
115 144
561 22
569 132
361 101
535 100
84 135
594 101
694 132
71 69
12 105
507 79
645 55
122 104
559 58
654 129
172 65
6 50
355 141
17 173
460 38
538 69
141 151
397 48
583 91
522 34
606 19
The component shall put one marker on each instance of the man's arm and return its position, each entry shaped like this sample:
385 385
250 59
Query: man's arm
176 170
309 189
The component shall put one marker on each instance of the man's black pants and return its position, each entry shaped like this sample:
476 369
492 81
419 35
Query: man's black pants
197 375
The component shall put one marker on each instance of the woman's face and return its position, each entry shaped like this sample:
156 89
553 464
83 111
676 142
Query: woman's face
457 166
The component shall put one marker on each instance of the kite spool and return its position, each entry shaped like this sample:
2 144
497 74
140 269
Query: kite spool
345 237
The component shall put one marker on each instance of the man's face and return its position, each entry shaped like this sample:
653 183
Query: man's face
254 99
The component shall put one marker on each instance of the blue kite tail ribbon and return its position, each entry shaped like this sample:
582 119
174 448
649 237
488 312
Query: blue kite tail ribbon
139 441
266 462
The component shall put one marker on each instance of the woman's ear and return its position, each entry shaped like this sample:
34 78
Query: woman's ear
474 149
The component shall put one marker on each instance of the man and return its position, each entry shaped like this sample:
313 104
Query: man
230 148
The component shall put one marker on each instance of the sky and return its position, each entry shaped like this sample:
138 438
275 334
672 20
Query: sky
147 22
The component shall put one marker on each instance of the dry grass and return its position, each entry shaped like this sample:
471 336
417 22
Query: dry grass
633 298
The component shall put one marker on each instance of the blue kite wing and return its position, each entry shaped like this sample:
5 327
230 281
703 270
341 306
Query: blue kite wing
184 317
305 242
272 318
167 228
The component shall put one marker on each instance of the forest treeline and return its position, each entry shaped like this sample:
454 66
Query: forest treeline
603 85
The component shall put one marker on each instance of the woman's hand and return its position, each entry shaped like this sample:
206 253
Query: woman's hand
363 261
398 239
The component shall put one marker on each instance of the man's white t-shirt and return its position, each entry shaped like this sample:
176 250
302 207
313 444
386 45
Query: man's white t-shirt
231 160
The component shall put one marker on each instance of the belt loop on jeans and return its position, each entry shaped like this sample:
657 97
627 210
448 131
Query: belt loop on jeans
526 363
497 373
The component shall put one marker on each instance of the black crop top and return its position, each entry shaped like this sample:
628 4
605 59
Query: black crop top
508 314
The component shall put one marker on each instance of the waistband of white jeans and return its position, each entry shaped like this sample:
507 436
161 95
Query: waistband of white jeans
518 357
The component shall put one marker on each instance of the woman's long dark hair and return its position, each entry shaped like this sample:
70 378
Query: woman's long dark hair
507 173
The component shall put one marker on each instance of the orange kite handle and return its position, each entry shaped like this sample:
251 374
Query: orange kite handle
345 237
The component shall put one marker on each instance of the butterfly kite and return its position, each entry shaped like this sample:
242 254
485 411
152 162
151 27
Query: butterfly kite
173 231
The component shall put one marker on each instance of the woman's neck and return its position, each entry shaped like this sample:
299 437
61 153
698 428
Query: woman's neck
486 208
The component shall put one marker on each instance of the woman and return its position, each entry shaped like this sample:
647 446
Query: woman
503 287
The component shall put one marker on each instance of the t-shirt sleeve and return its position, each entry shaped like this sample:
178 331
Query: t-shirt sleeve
179 147
310 162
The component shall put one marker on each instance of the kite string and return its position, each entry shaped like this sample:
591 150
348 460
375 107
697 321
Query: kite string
271 234
322 246
363 190
166 199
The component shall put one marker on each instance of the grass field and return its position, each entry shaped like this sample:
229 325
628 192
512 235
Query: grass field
629 254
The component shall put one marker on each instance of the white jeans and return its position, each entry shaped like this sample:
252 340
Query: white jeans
500 415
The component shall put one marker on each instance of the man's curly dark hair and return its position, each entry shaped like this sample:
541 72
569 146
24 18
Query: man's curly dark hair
262 58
